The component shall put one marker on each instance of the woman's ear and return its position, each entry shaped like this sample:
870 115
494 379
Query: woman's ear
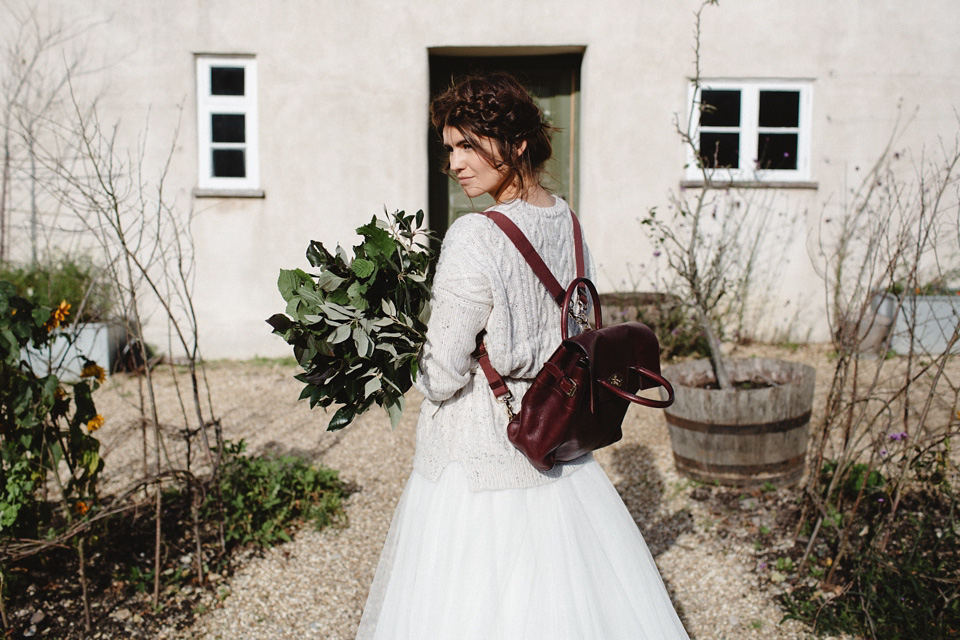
521 148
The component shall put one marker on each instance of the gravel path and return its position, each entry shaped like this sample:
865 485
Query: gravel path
315 586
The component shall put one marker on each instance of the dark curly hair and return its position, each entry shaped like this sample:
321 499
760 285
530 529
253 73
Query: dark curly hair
496 106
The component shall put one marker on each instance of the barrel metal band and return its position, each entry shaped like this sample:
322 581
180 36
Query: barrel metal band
740 429
741 469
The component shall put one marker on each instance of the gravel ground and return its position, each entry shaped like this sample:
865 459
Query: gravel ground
315 586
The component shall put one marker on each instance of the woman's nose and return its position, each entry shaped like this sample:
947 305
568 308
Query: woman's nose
456 160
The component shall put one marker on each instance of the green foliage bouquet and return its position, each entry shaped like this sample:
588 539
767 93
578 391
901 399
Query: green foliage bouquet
357 326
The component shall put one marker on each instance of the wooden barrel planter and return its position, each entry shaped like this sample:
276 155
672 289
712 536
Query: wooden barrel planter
743 437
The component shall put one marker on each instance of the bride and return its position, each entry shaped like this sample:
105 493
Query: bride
483 545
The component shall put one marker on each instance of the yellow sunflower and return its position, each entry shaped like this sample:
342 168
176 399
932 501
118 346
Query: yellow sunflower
58 315
95 423
93 370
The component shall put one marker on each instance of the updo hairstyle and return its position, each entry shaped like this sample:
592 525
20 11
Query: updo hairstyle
496 106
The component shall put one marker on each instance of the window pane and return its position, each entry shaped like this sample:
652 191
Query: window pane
229 163
719 108
777 151
720 149
779 108
226 81
228 127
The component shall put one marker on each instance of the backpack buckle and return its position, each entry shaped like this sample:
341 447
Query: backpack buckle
505 401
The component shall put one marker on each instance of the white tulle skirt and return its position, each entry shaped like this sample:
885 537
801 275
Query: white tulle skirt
564 560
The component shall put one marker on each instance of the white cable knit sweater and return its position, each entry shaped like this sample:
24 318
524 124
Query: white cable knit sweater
482 282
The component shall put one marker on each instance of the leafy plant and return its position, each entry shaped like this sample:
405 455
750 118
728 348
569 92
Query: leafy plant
908 589
43 423
264 496
677 330
140 579
357 326
78 281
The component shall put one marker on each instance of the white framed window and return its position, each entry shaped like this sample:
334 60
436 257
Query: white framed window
751 130
227 136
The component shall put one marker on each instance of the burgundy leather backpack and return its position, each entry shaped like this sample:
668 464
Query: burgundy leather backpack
579 398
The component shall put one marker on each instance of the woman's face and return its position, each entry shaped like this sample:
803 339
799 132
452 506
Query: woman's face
474 173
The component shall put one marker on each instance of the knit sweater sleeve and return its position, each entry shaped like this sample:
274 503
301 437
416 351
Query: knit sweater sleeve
461 302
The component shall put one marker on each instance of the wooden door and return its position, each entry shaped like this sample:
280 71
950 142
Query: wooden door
554 82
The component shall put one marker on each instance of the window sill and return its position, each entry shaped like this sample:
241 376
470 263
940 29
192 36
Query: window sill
228 193
750 184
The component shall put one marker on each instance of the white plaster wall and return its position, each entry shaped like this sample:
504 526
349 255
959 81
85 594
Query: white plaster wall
343 93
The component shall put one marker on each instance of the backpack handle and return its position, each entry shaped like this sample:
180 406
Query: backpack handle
647 402
575 287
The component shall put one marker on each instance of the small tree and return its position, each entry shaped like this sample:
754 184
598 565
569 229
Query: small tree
715 239
39 56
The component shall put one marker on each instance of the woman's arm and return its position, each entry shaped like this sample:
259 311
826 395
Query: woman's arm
460 305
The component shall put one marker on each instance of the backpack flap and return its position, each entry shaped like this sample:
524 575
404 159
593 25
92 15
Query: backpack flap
614 353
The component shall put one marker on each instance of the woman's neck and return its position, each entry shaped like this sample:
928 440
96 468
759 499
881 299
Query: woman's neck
535 195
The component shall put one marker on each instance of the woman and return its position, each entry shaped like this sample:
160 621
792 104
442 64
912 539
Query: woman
483 545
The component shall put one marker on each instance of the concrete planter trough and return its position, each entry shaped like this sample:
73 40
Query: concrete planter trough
933 320
100 342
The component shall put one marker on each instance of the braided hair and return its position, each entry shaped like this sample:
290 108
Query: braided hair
496 106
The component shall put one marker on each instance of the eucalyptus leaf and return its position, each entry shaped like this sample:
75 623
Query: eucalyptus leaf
373 385
385 346
341 334
328 281
424 315
390 382
362 340
336 312
317 255
395 411
308 294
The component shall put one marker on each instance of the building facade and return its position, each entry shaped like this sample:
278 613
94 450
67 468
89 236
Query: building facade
301 119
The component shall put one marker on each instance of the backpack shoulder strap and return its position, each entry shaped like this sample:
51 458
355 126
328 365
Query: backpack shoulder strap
494 379
578 244
533 258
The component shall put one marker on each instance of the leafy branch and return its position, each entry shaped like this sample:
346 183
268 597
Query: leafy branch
356 327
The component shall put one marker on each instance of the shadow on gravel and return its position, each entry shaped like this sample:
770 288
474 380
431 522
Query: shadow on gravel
314 454
641 489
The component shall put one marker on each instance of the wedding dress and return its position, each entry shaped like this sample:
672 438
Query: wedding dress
483 546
